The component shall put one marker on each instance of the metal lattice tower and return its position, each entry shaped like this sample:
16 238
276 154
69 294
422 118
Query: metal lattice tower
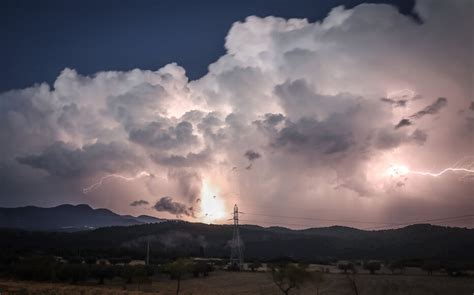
236 259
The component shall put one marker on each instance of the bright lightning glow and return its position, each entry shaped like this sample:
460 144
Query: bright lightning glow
211 205
104 178
403 93
397 170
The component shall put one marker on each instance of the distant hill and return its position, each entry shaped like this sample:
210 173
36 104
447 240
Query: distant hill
178 238
66 218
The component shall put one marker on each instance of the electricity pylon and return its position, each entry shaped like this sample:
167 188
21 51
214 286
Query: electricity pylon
236 259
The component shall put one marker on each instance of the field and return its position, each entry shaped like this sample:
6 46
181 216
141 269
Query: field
222 282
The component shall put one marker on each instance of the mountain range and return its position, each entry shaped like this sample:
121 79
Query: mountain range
67 218
103 233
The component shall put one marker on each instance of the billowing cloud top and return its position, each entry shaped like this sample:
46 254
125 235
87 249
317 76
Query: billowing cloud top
327 108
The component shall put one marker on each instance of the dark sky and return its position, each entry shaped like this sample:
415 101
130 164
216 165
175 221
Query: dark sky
40 38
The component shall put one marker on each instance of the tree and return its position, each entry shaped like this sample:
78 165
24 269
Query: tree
74 272
317 279
353 283
127 272
101 272
255 265
430 266
74 259
396 265
372 266
36 268
289 276
90 259
346 266
177 269
201 267
455 269
120 260
140 275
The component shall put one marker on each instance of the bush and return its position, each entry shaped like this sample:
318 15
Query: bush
120 260
127 273
90 260
455 269
396 265
346 266
101 272
36 268
74 259
73 272
431 266
372 266
289 276
177 269
201 267
255 265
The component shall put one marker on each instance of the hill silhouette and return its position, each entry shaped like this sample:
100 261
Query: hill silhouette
179 238
66 218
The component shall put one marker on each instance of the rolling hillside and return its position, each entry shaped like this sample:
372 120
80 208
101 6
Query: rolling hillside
66 218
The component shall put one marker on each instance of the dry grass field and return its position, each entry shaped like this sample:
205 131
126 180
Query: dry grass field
221 282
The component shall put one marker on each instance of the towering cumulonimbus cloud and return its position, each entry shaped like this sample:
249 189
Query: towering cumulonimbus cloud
305 97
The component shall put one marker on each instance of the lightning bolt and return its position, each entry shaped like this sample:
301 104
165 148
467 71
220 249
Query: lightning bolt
442 171
400 170
94 186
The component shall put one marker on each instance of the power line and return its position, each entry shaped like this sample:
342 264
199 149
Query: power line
467 216
321 219
272 205
444 220
385 224
279 223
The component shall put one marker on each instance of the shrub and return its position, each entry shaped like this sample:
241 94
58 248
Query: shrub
177 269
36 268
431 266
255 265
102 272
289 276
372 266
201 267
346 266
396 265
73 272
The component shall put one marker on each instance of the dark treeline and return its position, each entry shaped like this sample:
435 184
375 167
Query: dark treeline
286 273
105 254
47 268
169 240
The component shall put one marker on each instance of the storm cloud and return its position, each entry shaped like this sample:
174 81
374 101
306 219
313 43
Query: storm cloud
139 203
301 99
166 204
402 123
252 155
62 160
395 103
431 109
